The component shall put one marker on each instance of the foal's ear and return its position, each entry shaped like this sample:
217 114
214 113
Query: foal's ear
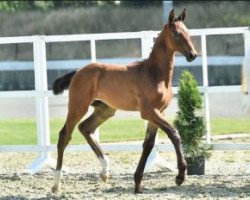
171 17
182 15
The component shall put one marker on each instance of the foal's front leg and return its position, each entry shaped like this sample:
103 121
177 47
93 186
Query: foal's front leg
154 116
148 145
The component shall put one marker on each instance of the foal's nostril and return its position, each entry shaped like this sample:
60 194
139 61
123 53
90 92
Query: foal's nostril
192 56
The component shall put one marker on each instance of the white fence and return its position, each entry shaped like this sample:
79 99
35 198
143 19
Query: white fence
41 92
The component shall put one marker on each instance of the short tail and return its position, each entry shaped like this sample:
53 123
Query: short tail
62 83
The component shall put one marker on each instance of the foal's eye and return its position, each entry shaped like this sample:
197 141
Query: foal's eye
176 35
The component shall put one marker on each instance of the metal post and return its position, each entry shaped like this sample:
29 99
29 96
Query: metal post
205 85
42 105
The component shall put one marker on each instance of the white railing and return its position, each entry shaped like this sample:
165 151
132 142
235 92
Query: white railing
41 92
72 64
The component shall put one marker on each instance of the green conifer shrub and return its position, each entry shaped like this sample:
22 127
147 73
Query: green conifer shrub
190 125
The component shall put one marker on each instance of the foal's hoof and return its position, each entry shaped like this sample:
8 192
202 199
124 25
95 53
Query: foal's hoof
104 177
54 189
179 179
138 191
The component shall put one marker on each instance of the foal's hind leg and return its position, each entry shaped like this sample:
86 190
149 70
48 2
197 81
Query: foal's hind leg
101 113
64 138
77 108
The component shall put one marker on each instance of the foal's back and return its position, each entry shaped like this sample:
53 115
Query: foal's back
116 85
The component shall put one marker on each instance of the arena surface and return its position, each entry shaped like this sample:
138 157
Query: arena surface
225 178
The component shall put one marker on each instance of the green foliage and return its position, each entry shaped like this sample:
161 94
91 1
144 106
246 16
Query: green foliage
25 5
190 126
57 4
13 5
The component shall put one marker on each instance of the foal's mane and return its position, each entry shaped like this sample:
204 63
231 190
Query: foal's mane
158 45
149 61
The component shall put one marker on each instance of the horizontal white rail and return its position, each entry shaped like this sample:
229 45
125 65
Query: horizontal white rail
97 36
116 36
24 94
15 40
180 61
219 31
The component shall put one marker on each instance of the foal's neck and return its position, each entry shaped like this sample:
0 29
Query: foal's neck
161 62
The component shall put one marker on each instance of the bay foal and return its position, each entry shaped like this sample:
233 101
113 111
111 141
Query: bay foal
144 86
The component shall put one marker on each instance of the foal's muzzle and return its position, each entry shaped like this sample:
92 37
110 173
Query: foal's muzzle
191 56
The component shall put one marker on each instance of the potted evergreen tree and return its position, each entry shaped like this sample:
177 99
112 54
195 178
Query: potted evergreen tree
191 125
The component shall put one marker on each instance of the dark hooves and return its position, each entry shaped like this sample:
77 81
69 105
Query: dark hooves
54 189
179 179
138 191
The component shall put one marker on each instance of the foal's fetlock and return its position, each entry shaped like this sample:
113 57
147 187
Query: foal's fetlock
181 177
138 189
182 166
57 178
105 162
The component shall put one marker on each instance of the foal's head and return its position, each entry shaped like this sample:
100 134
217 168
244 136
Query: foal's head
177 37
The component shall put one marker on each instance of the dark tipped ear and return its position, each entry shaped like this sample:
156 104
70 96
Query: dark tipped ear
182 15
171 17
